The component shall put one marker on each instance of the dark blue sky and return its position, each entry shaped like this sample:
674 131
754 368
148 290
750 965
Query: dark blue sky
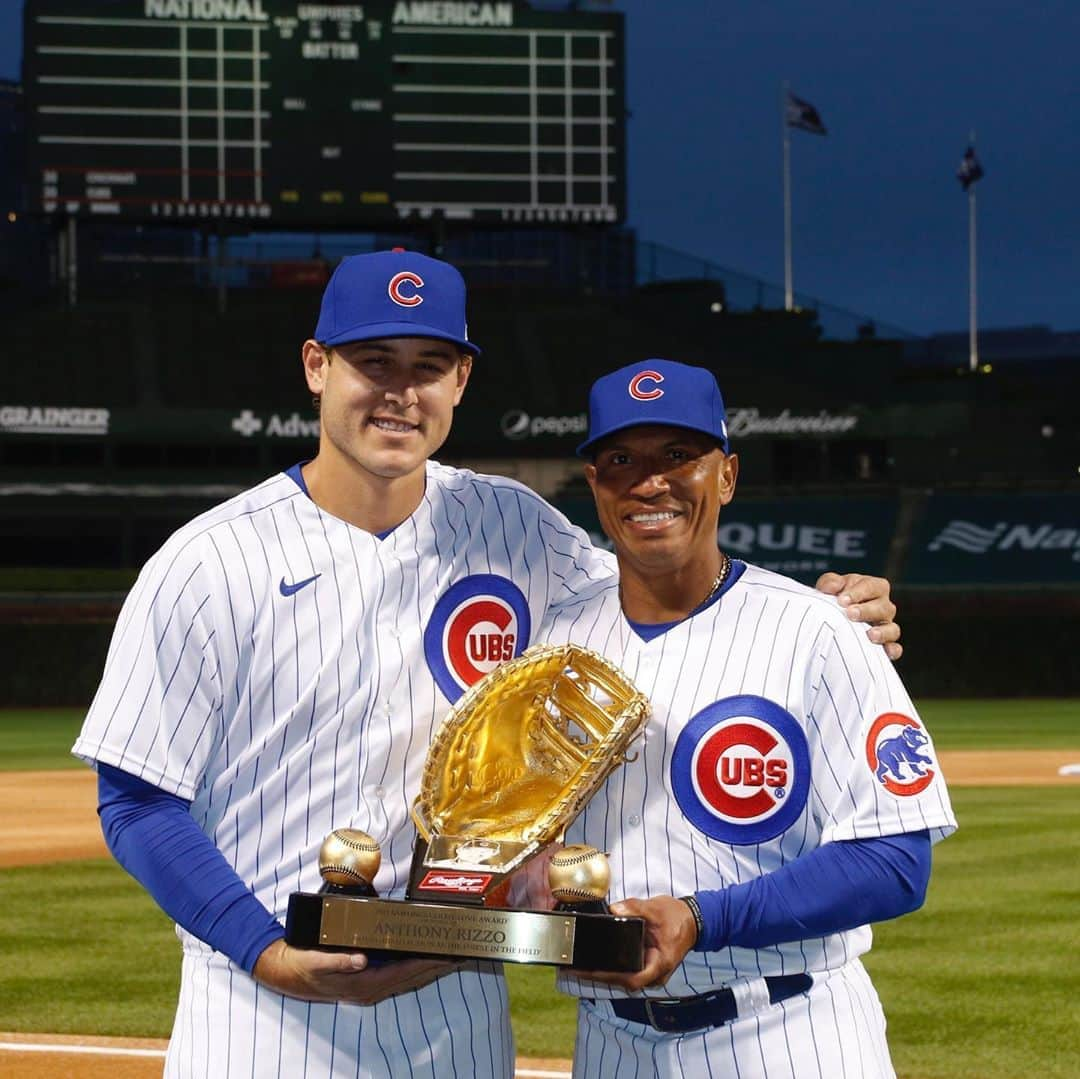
880 222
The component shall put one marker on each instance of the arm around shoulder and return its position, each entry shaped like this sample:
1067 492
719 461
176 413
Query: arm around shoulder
867 599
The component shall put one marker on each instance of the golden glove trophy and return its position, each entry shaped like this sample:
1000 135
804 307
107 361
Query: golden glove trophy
512 765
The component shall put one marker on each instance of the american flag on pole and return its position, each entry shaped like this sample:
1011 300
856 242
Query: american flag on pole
803 115
970 170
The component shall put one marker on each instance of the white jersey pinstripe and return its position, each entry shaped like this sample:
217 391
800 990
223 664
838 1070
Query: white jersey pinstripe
284 716
769 638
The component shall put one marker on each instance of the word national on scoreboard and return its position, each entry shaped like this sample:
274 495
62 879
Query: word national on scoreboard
357 115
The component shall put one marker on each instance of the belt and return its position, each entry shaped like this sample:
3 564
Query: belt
678 1015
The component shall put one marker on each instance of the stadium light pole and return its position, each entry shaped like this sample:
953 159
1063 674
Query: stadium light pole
973 336
785 138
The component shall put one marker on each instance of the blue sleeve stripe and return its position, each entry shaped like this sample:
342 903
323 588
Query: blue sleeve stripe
836 887
153 836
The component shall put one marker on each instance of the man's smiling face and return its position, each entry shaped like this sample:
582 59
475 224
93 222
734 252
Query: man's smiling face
659 491
387 405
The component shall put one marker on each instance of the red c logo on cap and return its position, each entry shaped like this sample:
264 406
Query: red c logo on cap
638 393
394 288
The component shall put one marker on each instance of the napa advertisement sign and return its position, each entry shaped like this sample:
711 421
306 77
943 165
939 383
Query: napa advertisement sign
997 540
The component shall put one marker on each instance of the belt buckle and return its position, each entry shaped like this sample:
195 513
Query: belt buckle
657 1020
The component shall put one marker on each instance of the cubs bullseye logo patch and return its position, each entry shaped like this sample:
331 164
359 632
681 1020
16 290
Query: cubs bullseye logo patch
741 770
404 289
477 623
897 753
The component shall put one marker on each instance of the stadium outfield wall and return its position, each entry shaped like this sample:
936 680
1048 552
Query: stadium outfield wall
988 584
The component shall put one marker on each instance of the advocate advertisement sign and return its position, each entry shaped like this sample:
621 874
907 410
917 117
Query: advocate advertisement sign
1019 539
799 537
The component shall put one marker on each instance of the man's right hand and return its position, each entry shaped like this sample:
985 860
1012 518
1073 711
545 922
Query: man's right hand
307 974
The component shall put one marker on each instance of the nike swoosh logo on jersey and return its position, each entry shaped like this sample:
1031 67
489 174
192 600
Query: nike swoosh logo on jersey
292 589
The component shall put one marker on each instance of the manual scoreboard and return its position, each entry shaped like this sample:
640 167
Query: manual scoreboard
324 115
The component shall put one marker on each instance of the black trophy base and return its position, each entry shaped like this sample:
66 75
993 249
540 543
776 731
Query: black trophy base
394 928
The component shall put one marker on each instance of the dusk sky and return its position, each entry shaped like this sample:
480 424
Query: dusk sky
880 221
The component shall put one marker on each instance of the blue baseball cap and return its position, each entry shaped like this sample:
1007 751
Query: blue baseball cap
395 293
656 392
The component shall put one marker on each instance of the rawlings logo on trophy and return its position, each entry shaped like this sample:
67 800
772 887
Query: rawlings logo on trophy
510 768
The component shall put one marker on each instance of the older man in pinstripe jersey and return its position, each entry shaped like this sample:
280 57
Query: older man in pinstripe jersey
785 796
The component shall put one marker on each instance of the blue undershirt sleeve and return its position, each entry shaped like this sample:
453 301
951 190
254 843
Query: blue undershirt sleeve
153 836
836 887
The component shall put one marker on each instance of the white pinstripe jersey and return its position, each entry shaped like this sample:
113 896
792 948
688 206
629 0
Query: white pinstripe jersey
776 727
284 671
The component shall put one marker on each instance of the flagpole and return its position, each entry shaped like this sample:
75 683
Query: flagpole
785 136
973 339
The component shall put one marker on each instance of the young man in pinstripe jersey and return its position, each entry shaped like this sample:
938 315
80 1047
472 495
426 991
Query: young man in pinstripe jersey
278 671
785 796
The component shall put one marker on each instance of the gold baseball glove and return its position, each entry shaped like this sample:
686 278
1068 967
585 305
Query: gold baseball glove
524 750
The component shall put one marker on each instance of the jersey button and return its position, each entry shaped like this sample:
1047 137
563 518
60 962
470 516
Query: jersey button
380 793
633 820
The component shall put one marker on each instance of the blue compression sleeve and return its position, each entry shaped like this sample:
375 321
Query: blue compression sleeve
153 836
838 886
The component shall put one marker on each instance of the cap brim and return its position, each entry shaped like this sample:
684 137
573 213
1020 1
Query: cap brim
373 331
586 447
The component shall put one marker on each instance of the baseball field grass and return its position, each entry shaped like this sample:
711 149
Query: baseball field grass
982 983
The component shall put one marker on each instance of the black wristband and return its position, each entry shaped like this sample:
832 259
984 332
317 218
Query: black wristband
699 922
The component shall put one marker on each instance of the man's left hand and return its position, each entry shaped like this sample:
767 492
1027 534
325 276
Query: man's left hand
866 599
670 932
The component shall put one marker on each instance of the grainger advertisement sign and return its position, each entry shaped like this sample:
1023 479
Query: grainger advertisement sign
180 425
997 540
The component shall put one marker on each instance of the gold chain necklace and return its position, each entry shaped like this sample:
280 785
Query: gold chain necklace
718 582
721 577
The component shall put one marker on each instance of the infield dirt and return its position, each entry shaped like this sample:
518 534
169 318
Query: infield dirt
55 1056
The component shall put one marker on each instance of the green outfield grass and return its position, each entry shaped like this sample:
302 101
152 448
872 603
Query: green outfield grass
1022 723
30 579
39 738
983 983
84 950
42 738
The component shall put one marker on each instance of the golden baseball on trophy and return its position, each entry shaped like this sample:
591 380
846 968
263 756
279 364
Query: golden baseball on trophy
577 873
349 857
